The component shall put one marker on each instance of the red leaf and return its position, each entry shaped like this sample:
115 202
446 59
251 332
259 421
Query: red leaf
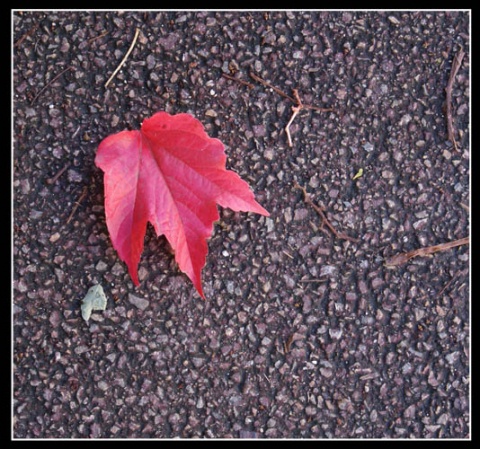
171 174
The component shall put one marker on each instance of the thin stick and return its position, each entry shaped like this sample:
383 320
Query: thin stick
28 33
53 179
288 255
402 258
298 100
238 80
316 108
137 31
320 212
325 279
50 82
98 37
296 110
448 284
465 206
457 62
76 132
77 203
276 89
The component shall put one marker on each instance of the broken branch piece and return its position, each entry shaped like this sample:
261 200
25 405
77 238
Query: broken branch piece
320 212
402 258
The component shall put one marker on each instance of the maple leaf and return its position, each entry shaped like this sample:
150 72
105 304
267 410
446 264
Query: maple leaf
172 174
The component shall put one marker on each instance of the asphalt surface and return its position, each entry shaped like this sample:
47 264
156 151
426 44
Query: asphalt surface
303 334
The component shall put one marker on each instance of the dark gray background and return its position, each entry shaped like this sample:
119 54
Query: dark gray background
302 335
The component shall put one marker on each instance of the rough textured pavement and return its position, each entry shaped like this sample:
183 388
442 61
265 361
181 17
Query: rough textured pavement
303 334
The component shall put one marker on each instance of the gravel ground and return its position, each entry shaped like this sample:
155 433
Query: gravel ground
303 334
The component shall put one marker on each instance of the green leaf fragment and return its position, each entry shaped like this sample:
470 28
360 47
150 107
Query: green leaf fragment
358 175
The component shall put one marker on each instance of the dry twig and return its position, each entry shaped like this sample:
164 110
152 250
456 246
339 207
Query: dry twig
98 37
319 280
400 259
442 291
50 82
276 89
77 203
28 33
320 212
137 31
287 344
296 109
54 178
457 62
295 99
238 80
